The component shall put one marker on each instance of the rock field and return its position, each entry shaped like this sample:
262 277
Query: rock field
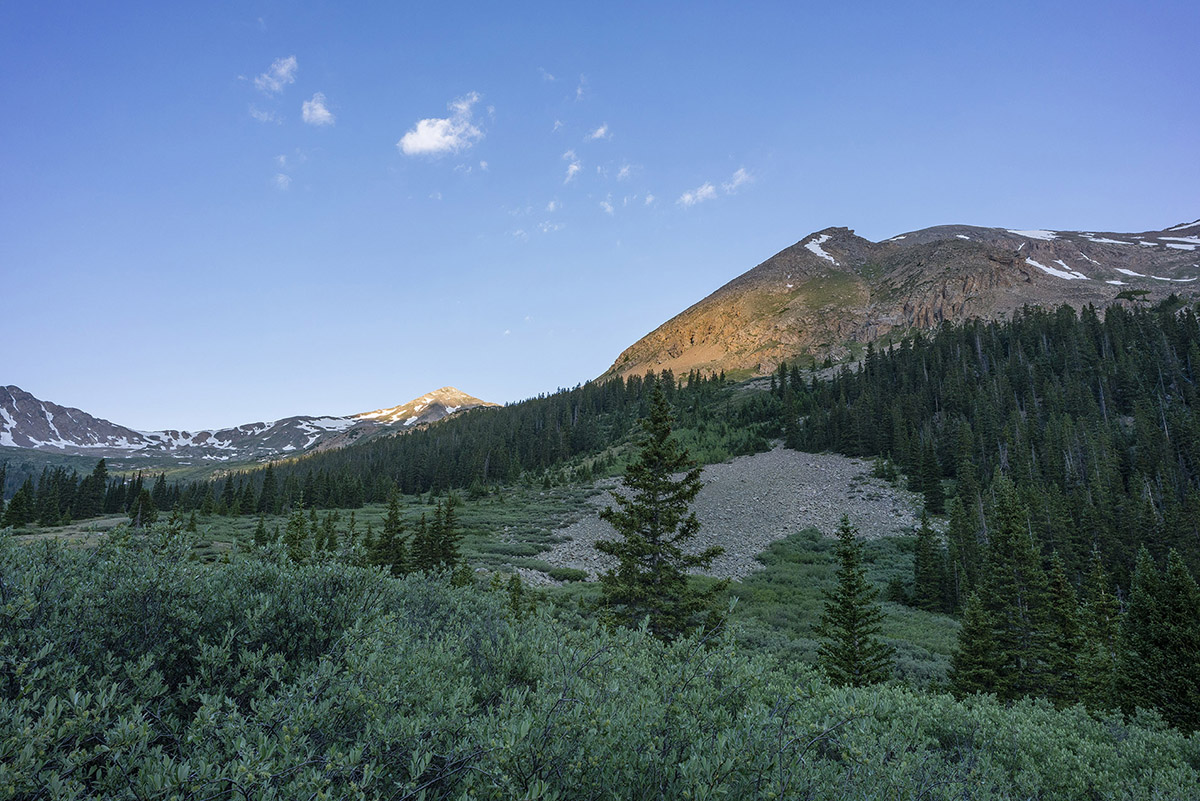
751 501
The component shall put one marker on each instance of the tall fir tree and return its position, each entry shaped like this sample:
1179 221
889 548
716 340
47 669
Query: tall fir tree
1016 599
1065 642
851 651
296 536
269 494
391 550
973 666
929 570
1100 621
1180 624
654 522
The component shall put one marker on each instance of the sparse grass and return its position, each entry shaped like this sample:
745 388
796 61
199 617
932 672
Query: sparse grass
779 606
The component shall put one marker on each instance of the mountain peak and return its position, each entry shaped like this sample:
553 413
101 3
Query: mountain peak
834 288
428 408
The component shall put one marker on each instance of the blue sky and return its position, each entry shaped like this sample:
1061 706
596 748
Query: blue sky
218 213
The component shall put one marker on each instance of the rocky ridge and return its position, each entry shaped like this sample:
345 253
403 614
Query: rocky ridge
28 422
752 501
833 288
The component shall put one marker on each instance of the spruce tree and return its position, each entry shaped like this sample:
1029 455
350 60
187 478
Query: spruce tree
850 650
1139 651
653 524
295 536
973 667
1098 654
143 513
267 496
1180 626
391 549
1065 641
1016 599
929 570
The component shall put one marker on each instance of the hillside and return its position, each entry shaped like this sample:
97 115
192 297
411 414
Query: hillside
833 288
31 423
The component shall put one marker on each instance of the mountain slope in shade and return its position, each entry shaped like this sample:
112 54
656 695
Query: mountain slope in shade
833 288
27 422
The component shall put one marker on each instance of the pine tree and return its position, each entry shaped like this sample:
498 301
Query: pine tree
1180 626
850 649
261 539
1098 655
268 495
929 570
143 513
1015 596
653 524
973 667
391 549
1065 641
295 536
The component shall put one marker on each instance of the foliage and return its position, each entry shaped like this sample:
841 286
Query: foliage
851 651
654 523
132 671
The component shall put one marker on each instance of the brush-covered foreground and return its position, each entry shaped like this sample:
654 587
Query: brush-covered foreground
130 671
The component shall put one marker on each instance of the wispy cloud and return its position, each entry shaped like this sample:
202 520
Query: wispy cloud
606 206
600 133
557 126
549 227
705 191
546 76
264 116
282 182
281 73
315 112
483 165
740 178
650 200
624 173
573 166
437 136
552 206
581 87
520 234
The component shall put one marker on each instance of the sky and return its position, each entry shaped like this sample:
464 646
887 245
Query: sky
222 213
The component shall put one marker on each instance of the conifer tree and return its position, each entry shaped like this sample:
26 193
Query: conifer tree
929 570
143 513
1139 651
973 667
1015 597
295 536
423 554
261 539
1180 624
653 524
850 649
267 496
1098 655
391 549
1065 640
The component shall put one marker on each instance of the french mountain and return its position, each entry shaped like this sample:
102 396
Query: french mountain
833 288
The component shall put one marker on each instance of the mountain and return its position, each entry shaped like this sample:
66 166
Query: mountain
833 288
27 422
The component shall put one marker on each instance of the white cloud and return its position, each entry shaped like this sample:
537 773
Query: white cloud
545 75
282 182
281 160
579 88
520 234
483 165
435 195
600 133
649 200
624 173
607 206
264 116
740 178
549 227
573 167
552 206
281 73
437 136
315 112
557 125
507 331
701 193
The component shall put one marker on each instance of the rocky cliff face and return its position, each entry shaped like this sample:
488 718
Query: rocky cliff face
833 288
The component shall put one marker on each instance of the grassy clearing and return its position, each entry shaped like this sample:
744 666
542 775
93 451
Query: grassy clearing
779 606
